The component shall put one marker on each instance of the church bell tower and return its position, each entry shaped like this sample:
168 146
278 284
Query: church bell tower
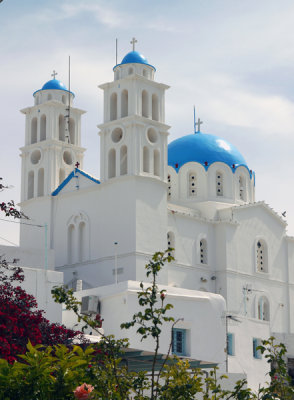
52 140
134 133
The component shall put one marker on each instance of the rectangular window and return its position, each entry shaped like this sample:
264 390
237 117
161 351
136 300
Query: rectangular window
231 344
256 352
179 342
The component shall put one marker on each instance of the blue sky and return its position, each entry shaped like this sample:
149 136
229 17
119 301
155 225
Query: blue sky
232 59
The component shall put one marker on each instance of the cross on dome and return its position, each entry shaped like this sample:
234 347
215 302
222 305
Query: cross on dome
197 125
54 74
133 42
77 164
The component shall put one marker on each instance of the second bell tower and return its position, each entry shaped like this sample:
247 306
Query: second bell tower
134 133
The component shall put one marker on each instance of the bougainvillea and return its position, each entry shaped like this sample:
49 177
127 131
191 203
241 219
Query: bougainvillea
20 319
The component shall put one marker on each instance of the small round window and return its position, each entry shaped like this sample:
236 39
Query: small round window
35 157
152 135
117 135
67 157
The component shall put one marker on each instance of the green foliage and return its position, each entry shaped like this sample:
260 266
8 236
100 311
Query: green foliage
54 372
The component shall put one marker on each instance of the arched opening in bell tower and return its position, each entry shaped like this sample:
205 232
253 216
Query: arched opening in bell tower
113 106
155 110
124 103
123 160
41 182
31 185
111 163
72 131
146 163
34 130
61 128
156 162
145 112
43 128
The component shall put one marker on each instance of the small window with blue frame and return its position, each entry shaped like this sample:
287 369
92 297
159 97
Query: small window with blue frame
231 344
256 352
179 342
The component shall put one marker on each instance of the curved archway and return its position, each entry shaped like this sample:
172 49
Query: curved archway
145 104
124 103
263 309
155 107
34 126
43 127
111 163
113 106
123 160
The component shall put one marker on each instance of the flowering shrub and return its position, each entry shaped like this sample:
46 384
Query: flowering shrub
20 320
82 392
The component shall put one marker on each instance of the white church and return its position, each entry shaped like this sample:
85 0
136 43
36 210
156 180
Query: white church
232 280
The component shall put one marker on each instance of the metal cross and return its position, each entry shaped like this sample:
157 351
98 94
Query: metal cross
54 74
77 164
197 125
133 41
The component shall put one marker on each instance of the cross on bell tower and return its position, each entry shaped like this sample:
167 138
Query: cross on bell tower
54 74
133 42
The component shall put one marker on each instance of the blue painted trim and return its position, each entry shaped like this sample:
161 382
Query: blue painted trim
67 91
251 173
133 62
70 176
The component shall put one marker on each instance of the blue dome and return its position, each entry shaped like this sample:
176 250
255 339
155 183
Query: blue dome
54 84
204 149
134 57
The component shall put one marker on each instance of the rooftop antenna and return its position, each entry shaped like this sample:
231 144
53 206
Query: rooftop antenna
116 51
67 116
197 124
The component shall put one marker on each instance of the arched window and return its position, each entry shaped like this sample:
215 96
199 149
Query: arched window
130 71
169 186
34 130
43 127
171 244
70 244
78 238
123 160
82 241
61 128
72 131
155 108
145 73
263 309
261 256
124 103
192 184
61 175
203 251
146 161
111 163
63 99
116 75
156 162
219 184
31 185
113 106
242 188
49 97
145 111
41 182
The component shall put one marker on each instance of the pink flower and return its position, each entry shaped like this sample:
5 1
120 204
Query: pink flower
82 392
